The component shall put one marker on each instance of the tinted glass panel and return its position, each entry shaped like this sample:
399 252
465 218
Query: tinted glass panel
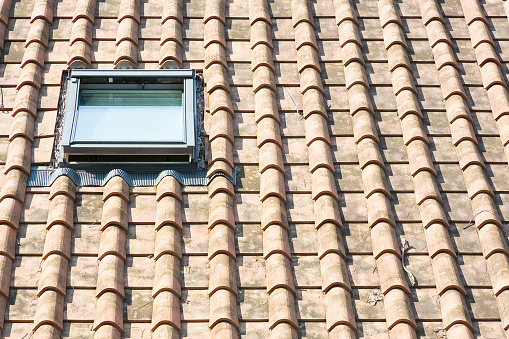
130 116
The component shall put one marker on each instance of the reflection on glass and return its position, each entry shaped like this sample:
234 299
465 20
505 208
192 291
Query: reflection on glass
130 116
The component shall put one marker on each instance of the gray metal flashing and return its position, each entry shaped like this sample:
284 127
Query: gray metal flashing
45 177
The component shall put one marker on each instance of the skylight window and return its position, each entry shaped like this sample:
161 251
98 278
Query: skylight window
129 116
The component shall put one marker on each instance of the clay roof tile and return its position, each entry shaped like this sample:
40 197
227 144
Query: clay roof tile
338 316
259 10
53 275
166 310
165 279
447 275
223 308
215 9
49 315
454 310
112 242
275 240
172 10
85 9
167 242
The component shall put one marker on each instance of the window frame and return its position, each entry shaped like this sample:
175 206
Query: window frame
104 148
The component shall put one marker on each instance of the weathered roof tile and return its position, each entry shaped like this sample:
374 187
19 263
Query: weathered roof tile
272 184
313 103
49 315
388 13
259 10
437 33
479 34
430 11
215 77
129 9
220 210
172 9
13 185
214 53
274 241
165 277
19 155
111 242
168 212
167 241
263 76
484 52
260 34
350 53
262 56
61 211
397 310
438 240
53 275
215 9
310 79
492 75
110 277
108 320
43 9
274 213
214 33
472 11
38 33
280 310
456 310
305 35
301 13
166 310
57 241
323 182
446 273
337 316
84 9
393 34
223 309
8 241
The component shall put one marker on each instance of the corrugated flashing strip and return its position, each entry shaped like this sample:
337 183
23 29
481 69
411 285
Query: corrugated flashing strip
46 177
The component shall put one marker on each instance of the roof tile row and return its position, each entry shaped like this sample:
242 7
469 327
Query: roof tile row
399 316
324 193
50 303
81 34
170 55
222 291
110 277
126 53
471 163
426 189
276 247
167 255
57 250
489 64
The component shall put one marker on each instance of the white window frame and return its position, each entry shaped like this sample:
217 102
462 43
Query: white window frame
185 80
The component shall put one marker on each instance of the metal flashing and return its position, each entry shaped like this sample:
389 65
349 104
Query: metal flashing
45 177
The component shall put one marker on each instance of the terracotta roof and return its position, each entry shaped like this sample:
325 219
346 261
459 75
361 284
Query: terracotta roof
370 141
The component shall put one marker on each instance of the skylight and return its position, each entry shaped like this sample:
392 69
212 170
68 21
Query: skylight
129 116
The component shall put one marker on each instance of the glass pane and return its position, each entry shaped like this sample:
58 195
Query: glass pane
130 116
